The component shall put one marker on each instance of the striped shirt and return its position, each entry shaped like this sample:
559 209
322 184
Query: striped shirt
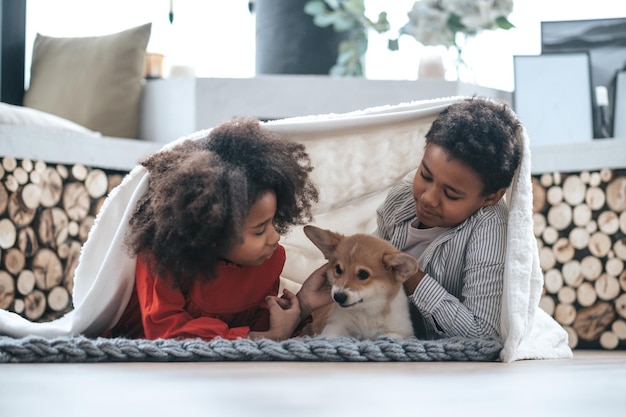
461 292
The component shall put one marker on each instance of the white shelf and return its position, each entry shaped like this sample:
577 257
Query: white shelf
576 157
175 107
67 147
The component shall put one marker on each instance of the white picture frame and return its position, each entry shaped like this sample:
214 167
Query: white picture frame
552 97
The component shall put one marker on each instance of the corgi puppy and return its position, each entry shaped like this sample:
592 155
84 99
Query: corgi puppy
366 274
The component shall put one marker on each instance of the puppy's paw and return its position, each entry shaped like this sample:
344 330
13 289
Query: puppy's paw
333 332
397 336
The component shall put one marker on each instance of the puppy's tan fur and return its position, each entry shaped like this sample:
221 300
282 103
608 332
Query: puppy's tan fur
366 274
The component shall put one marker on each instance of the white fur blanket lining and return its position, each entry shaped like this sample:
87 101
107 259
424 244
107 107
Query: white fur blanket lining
343 148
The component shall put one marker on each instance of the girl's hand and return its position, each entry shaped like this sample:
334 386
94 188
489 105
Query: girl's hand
315 292
284 317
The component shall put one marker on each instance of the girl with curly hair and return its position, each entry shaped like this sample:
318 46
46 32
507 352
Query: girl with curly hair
206 237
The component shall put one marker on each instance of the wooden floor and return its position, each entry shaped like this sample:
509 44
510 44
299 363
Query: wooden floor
592 384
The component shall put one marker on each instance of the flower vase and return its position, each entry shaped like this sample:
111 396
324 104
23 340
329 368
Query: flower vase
461 68
440 62
431 64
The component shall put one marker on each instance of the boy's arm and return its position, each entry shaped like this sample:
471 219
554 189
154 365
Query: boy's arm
482 277
411 284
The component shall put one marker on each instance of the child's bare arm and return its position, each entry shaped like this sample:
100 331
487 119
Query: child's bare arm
284 317
315 292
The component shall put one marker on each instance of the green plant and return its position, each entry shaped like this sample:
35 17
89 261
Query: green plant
347 16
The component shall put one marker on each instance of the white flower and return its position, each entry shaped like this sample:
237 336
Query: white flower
477 15
429 24
436 22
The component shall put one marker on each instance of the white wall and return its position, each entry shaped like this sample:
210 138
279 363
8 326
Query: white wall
216 37
490 53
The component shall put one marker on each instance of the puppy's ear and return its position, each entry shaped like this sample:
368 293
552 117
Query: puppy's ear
325 240
402 265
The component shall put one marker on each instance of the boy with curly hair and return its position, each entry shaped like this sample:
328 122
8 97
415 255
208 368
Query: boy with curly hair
452 218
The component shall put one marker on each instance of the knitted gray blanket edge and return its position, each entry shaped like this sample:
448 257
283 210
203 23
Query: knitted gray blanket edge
78 349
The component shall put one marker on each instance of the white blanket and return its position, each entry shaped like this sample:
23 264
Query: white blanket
357 156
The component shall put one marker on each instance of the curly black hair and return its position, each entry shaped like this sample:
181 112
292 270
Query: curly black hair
200 192
485 135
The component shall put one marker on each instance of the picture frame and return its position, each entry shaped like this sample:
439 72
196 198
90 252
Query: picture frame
553 97
605 41
619 119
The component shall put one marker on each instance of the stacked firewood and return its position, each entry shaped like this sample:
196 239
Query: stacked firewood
46 213
580 226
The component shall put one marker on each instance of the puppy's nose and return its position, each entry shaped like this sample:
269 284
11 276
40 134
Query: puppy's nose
340 297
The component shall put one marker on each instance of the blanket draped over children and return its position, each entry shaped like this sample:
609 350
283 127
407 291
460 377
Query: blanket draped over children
357 156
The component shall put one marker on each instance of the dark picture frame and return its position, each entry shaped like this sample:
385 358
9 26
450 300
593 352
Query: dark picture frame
605 41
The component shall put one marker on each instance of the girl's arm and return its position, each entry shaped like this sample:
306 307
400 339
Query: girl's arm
284 317
164 315
315 292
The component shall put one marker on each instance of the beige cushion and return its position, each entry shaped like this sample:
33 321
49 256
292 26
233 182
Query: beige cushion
92 81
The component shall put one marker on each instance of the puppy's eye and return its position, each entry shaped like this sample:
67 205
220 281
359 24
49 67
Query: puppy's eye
362 275
338 269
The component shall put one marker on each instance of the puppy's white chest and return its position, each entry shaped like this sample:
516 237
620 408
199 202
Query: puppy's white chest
363 323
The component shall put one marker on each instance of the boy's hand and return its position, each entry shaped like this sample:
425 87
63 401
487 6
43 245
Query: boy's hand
315 292
411 284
